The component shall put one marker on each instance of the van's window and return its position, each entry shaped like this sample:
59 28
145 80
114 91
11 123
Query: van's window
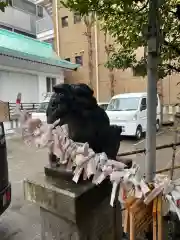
123 104
143 104
1 130
2 139
42 107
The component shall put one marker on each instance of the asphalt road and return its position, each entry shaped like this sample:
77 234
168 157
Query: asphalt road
21 221
163 157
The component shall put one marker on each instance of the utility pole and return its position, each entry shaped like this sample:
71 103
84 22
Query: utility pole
152 72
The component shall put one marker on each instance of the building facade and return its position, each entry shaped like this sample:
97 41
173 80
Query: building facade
45 25
28 66
71 43
21 66
21 16
45 28
21 55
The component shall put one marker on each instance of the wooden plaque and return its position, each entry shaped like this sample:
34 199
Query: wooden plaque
140 218
4 112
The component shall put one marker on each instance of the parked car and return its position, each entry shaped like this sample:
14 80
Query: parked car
129 111
103 105
5 186
41 110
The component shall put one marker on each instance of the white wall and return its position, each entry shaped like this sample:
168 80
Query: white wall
60 77
42 86
42 83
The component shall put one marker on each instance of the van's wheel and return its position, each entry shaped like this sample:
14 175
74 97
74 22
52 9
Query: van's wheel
157 125
139 133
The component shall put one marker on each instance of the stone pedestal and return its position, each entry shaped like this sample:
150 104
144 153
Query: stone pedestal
72 211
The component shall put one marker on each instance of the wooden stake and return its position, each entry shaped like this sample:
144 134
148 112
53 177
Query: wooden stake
159 216
155 219
128 204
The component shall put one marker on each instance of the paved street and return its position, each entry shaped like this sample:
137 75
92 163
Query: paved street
22 221
164 156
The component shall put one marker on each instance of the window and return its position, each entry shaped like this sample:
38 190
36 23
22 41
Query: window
143 104
67 59
53 81
39 11
26 6
64 21
6 27
123 104
25 33
77 18
50 82
78 60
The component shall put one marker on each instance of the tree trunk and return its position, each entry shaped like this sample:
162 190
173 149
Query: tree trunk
90 56
108 50
89 21
160 93
112 82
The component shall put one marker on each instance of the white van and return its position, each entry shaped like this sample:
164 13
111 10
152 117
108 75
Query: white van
129 111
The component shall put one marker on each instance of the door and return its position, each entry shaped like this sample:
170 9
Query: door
143 114
11 83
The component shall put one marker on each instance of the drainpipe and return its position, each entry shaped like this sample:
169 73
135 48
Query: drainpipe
56 27
96 59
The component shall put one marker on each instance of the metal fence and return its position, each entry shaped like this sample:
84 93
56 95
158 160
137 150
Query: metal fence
24 106
14 122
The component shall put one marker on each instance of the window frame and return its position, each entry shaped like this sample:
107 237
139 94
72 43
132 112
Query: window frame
79 62
50 83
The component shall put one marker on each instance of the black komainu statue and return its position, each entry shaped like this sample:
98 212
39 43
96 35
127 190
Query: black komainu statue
75 105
